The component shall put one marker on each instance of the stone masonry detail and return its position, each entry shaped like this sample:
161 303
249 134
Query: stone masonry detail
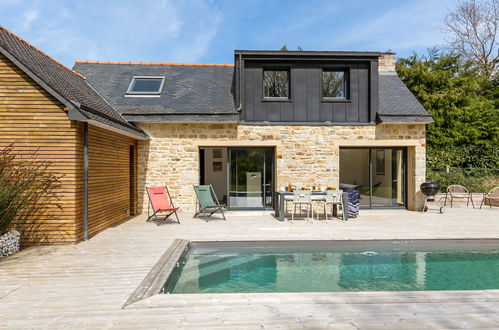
305 155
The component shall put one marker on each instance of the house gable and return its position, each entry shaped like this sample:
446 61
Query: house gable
35 122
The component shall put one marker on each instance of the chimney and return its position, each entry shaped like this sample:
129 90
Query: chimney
386 62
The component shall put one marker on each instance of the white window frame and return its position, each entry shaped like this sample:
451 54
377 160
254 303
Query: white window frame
132 84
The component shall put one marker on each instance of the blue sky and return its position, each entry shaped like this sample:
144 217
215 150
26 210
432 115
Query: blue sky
208 31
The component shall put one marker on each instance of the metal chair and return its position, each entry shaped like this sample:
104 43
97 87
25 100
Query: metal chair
300 198
457 191
491 195
333 197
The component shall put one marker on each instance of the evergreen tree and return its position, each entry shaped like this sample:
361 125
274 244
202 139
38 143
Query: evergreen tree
463 104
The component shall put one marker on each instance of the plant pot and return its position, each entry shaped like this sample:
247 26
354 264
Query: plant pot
9 243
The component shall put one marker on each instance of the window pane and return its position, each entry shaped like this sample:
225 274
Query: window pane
148 85
354 173
275 83
333 84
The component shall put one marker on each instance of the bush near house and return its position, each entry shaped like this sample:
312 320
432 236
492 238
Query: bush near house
28 188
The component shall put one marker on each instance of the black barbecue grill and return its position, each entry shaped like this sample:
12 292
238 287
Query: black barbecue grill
430 189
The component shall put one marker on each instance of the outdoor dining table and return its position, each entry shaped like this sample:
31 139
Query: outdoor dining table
284 196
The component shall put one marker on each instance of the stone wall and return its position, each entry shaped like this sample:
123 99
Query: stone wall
305 155
416 155
386 62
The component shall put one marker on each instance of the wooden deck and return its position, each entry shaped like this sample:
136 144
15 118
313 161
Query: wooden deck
86 285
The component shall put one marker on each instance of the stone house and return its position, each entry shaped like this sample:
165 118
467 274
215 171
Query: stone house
272 118
250 128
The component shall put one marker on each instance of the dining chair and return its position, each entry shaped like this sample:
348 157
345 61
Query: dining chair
301 198
333 197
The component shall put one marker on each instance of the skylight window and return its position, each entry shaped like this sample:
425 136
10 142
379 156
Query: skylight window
146 85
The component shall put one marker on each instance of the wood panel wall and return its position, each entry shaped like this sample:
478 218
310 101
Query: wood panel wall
109 179
34 121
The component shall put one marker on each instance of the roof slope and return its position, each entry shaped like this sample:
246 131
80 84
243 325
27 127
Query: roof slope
69 84
397 103
191 92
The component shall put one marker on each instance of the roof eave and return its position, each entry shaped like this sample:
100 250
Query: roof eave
74 111
404 119
182 118
38 80
307 53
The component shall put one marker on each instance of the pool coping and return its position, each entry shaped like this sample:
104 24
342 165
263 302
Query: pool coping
157 276
155 280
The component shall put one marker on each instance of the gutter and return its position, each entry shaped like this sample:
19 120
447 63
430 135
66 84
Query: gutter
85 181
240 83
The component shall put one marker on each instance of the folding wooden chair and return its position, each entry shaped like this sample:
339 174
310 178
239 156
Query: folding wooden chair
160 201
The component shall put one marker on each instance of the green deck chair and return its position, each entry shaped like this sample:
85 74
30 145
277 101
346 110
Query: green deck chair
207 202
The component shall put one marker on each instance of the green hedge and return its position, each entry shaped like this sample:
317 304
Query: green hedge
474 179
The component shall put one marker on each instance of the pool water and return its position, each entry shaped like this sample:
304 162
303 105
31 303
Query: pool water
334 269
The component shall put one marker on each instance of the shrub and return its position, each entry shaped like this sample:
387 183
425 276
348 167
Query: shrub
474 179
28 188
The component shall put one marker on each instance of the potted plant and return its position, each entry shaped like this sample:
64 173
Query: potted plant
27 190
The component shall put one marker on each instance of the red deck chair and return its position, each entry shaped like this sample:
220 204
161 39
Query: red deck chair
161 202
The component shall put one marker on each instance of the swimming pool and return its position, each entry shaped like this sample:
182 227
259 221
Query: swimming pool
335 266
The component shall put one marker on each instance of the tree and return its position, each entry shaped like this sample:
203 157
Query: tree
461 102
474 26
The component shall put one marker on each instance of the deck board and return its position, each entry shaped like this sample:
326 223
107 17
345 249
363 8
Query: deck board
86 285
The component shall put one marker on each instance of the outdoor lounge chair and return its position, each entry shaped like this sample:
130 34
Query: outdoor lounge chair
456 191
492 195
160 201
207 202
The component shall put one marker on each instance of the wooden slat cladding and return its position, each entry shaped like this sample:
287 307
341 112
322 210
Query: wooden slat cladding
109 189
34 121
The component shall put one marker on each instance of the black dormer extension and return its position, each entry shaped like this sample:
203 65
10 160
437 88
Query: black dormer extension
307 87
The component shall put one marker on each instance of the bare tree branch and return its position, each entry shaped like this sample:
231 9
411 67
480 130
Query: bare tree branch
473 26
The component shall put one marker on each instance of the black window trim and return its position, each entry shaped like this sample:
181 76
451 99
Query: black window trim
276 99
132 84
346 71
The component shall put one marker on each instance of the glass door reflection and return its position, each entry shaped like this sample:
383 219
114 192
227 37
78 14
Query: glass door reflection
379 174
251 177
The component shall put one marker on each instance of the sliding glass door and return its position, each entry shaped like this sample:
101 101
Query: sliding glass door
379 174
251 177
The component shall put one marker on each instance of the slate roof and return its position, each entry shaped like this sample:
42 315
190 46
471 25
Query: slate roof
191 92
69 84
204 92
397 103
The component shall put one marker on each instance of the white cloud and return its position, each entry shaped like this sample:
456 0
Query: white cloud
165 30
409 26
28 18
201 24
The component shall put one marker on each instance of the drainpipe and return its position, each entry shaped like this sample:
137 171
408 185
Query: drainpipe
85 181
240 84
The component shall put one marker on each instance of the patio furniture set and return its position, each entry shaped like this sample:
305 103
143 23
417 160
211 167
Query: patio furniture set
331 200
162 207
